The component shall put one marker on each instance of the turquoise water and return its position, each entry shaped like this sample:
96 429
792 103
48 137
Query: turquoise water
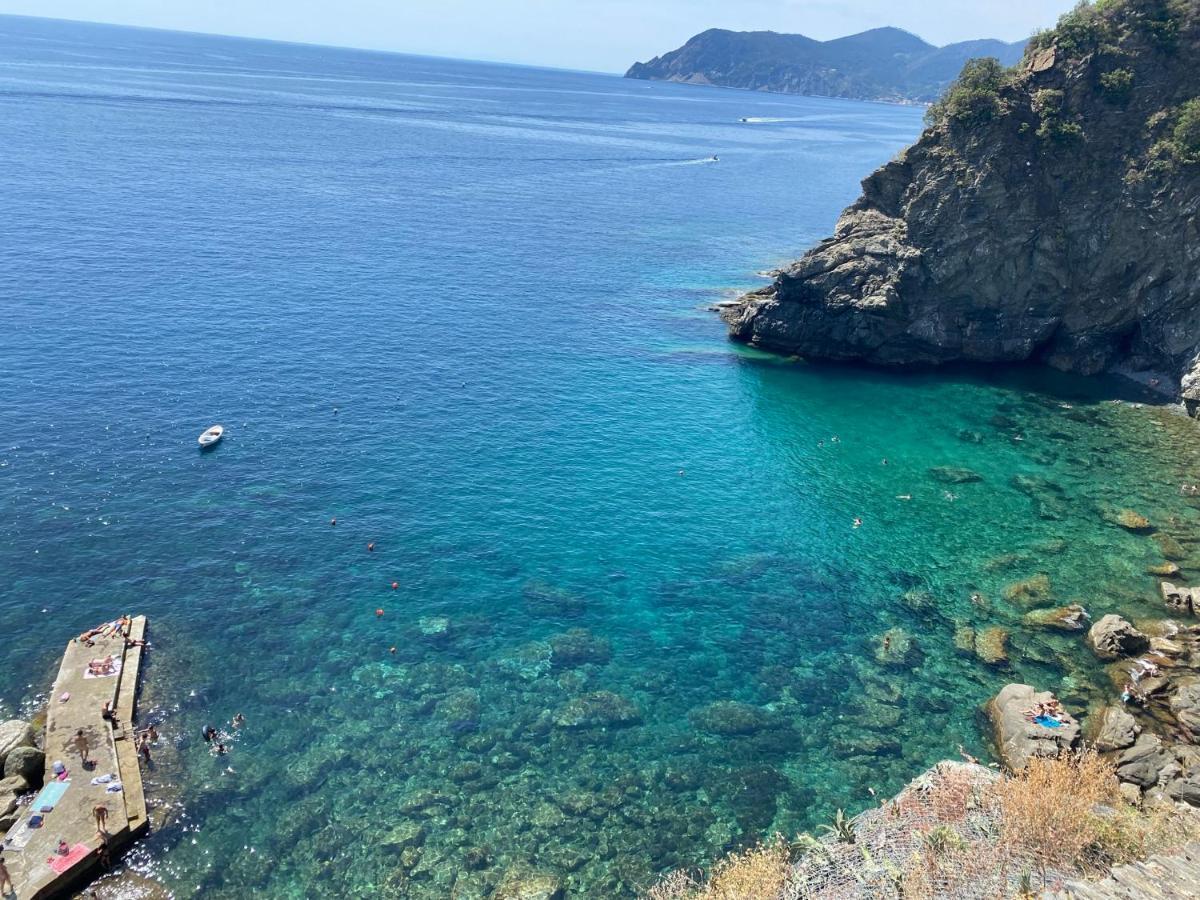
461 308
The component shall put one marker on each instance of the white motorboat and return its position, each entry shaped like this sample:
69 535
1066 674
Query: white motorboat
211 437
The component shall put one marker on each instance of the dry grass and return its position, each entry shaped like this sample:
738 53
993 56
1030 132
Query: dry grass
959 832
759 873
1049 811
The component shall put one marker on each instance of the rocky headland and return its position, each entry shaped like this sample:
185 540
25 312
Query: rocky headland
22 765
1048 213
881 64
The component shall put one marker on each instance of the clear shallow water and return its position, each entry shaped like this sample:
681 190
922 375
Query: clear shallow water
460 307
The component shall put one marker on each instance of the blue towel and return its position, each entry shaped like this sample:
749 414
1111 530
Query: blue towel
1048 722
50 795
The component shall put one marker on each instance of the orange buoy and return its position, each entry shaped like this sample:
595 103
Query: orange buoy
395 584
371 547
378 613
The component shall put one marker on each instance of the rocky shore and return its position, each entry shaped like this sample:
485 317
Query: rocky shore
1047 214
22 764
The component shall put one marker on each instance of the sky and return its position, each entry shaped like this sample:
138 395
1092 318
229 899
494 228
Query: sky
598 35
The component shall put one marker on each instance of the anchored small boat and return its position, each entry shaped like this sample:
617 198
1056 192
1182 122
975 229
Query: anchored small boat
211 437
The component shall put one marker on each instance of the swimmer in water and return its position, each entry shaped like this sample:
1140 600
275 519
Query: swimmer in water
857 522
884 461
904 496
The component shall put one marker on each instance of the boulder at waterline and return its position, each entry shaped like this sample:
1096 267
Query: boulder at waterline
1017 739
1179 599
1113 637
1185 705
14 733
1142 763
27 763
1113 729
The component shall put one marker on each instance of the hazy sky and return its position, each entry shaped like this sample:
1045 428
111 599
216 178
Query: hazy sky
603 35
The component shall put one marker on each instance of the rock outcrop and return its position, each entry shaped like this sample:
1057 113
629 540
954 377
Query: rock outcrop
1049 213
1017 739
1112 637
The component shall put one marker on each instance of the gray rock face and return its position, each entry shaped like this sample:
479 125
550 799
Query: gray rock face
1117 730
1142 763
1016 738
1113 637
28 763
14 733
1009 239
1185 704
1180 599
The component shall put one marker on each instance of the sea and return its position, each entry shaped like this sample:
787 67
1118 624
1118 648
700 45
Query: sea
513 563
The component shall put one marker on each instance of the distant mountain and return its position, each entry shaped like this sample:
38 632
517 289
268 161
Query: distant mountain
881 64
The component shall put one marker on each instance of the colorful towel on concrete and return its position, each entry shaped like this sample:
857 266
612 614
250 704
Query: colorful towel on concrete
60 864
19 836
50 796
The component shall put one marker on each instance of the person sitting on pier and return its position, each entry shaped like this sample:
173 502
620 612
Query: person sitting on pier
108 714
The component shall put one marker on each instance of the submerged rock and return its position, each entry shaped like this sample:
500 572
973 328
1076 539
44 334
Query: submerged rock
1164 570
547 600
954 475
1129 520
523 883
1112 637
1063 618
991 645
895 647
579 647
1017 739
1030 591
1170 548
599 709
729 717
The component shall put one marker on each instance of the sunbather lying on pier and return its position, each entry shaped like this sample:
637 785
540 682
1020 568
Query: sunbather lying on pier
106 666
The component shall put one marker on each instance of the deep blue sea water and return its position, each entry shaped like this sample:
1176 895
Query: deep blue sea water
462 308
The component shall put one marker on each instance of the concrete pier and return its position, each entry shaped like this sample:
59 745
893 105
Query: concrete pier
31 853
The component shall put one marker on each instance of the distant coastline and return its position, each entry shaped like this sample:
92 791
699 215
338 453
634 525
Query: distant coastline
884 64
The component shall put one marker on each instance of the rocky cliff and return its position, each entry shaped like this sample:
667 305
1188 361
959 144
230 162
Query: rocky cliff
880 64
1047 213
